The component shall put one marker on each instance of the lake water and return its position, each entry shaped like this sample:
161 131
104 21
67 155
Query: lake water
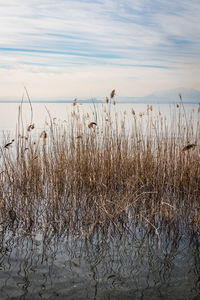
131 266
127 267
62 113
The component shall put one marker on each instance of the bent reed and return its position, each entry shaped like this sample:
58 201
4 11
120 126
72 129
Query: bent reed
100 172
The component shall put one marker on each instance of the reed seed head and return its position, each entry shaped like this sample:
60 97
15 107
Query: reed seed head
188 147
91 124
74 102
112 94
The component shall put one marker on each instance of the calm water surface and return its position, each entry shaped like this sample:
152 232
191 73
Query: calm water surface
126 267
62 112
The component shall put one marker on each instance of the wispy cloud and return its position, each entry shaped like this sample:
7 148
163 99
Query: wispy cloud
69 36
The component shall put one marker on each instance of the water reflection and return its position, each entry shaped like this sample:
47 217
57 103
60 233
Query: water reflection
102 267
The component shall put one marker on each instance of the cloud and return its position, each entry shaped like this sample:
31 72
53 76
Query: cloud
62 35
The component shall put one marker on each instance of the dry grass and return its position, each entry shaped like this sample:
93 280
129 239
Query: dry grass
92 173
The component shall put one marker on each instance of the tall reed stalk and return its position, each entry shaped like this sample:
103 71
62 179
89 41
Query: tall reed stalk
98 170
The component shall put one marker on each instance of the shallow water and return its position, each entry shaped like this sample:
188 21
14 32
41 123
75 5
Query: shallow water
126 267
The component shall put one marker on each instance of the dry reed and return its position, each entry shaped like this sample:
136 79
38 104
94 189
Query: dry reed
80 180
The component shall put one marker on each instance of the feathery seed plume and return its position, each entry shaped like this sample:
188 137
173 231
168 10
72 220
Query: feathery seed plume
188 147
112 94
91 124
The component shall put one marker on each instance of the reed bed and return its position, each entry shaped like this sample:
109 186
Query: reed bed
100 172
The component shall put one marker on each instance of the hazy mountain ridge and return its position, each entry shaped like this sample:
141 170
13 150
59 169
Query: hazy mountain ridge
174 94
168 96
80 101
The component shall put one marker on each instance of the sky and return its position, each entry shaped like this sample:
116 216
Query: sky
82 48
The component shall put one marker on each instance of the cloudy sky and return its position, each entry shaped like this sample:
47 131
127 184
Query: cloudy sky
83 48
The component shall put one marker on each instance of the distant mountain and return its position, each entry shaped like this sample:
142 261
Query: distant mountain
91 100
188 95
168 96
